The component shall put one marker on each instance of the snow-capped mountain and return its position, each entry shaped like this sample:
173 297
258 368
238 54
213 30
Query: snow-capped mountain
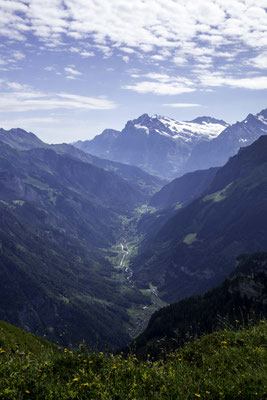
160 145
216 152
202 128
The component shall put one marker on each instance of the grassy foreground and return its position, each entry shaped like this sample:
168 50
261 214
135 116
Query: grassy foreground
223 365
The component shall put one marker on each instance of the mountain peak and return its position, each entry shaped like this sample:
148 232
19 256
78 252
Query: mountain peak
146 123
217 152
254 118
143 118
209 120
20 139
110 133
203 127
262 116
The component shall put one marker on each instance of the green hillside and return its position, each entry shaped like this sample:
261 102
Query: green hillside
196 248
15 339
239 300
225 365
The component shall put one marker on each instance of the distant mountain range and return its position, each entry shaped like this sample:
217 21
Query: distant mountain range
168 148
157 144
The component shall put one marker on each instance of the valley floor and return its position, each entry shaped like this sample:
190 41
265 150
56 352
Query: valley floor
122 252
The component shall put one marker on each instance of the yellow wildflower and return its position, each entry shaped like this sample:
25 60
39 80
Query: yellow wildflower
75 379
197 395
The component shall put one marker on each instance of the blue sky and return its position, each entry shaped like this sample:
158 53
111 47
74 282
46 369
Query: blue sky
69 69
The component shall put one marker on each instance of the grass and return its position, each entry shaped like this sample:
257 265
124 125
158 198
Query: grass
14 339
218 196
190 238
224 365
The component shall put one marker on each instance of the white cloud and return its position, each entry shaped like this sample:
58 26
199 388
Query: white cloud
18 55
127 50
74 50
107 51
158 57
126 59
145 26
83 53
259 62
199 35
49 68
165 78
254 82
21 98
179 60
87 54
161 84
17 86
159 88
71 77
182 105
72 71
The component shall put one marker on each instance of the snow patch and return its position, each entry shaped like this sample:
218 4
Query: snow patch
191 131
187 132
138 126
262 119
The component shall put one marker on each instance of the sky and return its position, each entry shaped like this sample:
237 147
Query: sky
71 68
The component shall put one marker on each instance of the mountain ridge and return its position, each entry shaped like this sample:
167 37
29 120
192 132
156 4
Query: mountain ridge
20 139
217 152
228 219
159 145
